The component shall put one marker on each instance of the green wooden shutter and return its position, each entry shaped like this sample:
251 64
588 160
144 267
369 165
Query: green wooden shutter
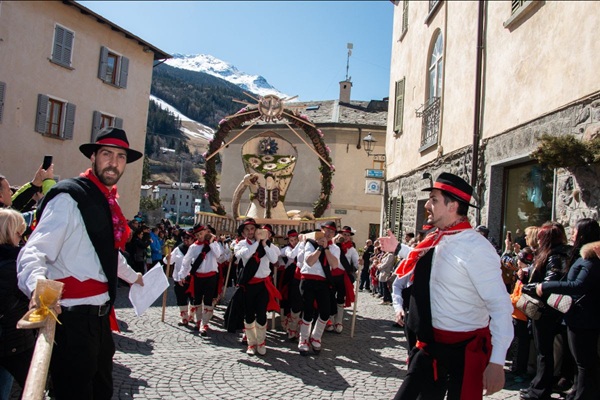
405 16
2 91
69 121
399 108
103 63
41 117
124 72
398 217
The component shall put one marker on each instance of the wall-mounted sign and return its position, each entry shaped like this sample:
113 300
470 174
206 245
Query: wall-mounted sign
340 211
373 187
374 173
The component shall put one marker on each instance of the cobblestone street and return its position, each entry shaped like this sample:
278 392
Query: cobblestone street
157 360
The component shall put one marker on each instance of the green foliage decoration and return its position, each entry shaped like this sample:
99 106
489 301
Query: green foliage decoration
566 151
247 114
149 204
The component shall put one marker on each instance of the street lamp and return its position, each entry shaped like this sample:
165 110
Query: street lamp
369 142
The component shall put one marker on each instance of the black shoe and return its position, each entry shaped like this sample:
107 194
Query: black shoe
524 391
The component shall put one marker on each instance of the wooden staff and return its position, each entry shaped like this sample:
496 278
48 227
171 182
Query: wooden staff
227 277
356 283
164 303
228 143
275 283
40 361
309 146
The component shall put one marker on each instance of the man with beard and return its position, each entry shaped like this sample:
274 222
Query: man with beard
200 263
459 308
78 240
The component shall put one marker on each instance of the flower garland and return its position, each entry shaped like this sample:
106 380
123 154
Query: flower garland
247 114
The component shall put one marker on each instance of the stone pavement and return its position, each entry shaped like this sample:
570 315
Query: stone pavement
156 360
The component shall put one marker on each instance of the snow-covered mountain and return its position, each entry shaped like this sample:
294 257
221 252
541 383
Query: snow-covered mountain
188 126
221 69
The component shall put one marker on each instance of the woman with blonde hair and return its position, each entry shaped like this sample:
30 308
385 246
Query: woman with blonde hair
16 345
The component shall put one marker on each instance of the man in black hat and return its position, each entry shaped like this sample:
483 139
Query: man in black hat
459 307
256 253
292 303
78 241
321 256
185 301
201 264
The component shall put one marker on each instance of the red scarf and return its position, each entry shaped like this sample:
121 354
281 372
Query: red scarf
408 264
121 230
346 246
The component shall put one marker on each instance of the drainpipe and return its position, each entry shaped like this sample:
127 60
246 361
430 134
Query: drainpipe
477 106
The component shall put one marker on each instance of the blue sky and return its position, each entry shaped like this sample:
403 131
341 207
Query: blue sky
298 46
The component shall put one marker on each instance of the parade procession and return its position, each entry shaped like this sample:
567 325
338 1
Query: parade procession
174 226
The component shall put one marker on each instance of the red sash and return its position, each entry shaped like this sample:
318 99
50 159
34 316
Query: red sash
191 289
274 294
76 289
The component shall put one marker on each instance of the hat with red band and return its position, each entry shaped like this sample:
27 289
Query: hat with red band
111 137
329 225
454 186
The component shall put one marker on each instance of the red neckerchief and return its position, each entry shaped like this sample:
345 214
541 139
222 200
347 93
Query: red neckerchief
121 230
346 246
408 264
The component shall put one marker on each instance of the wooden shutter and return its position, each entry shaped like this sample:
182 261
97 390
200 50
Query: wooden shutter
118 123
96 121
405 16
399 107
124 72
2 91
41 117
398 217
63 46
69 122
103 63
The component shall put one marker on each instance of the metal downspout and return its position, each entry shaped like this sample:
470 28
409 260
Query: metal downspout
477 107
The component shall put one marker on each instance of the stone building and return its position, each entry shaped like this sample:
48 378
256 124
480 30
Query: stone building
344 125
474 85
65 73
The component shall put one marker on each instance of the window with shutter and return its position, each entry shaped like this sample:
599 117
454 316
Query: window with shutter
63 46
2 91
55 118
404 17
399 110
113 68
398 217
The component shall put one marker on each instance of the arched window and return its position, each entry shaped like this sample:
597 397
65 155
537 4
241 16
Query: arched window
430 112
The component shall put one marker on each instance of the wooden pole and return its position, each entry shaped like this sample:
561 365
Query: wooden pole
309 146
227 144
42 353
275 283
356 283
164 302
227 277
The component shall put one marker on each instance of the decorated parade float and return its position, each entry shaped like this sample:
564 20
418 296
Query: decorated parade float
269 161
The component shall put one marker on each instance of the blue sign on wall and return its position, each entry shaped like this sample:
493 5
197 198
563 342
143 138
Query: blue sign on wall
374 173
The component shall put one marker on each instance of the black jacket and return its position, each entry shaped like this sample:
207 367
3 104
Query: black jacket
13 305
583 284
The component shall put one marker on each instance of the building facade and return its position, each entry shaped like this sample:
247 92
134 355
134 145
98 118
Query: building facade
474 85
66 72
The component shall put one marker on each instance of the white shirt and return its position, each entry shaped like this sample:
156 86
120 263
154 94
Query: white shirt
352 257
467 290
176 262
60 247
401 283
208 265
317 268
225 253
244 251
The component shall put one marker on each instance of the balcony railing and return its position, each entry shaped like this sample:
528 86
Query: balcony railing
430 112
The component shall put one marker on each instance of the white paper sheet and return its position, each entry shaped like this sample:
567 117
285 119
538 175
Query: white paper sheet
155 283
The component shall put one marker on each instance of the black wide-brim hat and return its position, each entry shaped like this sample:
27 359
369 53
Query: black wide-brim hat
329 225
454 186
347 229
111 137
247 221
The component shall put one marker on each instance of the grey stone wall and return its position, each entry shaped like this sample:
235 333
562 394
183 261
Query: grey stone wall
576 192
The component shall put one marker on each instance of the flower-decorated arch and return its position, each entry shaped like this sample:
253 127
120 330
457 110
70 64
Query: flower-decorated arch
251 113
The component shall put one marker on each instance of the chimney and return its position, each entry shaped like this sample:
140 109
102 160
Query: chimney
345 87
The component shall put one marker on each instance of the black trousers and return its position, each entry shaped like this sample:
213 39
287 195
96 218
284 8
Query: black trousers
544 330
420 383
256 299
523 338
205 288
338 293
18 365
180 293
313 290
365 279
584 346
294 296
82 358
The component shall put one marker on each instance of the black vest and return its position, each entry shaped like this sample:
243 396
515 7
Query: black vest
96 215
